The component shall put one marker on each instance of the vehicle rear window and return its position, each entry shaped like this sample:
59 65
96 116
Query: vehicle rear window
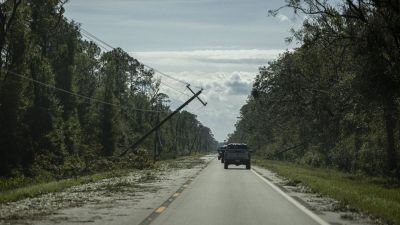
237 146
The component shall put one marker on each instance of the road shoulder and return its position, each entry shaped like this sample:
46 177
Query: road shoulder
326 208
121 200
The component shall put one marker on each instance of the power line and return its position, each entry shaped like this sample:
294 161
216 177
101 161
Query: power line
96 38
194 110
89 35
102 44
162 82
91 39
179 96
78 95
108 47
178 100
176 90
201 106
166 75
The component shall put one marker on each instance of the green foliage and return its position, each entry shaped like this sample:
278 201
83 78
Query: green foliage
38 187
50 134
19 187
377 196
334 101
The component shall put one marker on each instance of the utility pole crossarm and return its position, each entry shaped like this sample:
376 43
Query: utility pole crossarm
188 87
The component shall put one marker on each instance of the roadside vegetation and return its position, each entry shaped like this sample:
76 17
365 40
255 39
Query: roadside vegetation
16 188
376 196
335 100
38 187
69 109
327 114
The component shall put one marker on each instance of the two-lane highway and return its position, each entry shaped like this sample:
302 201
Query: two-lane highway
236 197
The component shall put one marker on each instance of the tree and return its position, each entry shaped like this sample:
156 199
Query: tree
332 101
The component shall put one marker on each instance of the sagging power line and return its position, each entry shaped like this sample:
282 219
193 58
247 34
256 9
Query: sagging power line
174 89
79 95
195 95
109 47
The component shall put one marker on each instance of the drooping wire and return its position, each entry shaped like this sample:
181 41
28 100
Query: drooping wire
104 45
91 36
101 45
197 109
96 38
98 44
164 74
172 88
164 83
76 94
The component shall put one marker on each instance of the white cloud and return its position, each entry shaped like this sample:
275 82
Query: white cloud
225 61
282 17
225 75
225 93
252 56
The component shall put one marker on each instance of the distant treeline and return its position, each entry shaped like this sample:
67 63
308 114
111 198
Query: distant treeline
55 131
335 100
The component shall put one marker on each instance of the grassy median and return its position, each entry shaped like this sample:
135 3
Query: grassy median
378 197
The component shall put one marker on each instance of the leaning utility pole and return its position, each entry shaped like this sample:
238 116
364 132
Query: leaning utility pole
138 142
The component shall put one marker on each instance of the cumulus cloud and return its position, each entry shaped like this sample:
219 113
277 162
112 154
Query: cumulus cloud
225 75
224 92
282 17
238 86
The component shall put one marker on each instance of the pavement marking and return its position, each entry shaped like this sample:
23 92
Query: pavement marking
150 218
291 200
161 209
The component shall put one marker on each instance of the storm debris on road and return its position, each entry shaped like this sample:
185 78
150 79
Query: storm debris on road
130 190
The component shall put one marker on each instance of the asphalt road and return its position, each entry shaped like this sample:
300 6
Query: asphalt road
235 196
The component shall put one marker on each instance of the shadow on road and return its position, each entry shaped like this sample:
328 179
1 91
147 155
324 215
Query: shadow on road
237 168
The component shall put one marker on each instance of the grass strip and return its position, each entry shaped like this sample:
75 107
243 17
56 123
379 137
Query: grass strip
39 187
54 186
378 197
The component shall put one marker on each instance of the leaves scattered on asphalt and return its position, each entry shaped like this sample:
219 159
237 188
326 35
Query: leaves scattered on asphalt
101 193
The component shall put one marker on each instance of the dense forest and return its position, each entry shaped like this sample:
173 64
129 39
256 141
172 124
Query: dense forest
67 107
333 101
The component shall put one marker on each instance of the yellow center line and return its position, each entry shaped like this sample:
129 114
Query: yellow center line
175 195
161 209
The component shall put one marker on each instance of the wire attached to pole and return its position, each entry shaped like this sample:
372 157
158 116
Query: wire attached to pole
76 94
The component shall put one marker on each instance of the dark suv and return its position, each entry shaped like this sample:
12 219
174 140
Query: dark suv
221 152
237 154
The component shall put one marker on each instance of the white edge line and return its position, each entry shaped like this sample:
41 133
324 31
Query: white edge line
291 200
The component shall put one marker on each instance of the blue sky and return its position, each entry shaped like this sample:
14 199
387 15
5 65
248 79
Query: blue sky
216 44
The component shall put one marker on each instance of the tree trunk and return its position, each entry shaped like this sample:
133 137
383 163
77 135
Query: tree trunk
357 148
158 147
390 122
176 136
155 147
192 145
